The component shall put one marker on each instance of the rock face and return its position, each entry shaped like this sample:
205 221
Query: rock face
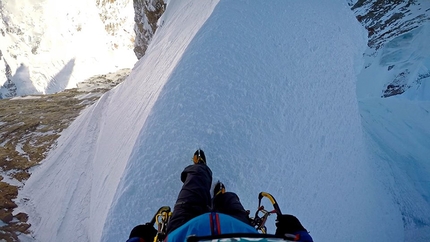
146 15
9 88
385 20
398 51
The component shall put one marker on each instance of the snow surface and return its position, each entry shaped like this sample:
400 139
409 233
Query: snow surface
268 91
398 127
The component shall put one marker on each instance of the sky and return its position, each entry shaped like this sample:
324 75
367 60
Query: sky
269 92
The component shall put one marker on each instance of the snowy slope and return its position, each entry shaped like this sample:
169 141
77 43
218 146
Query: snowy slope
400 135
393 92
81 175
267 90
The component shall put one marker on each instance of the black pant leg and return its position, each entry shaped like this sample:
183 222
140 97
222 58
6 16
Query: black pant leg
194 198
229 203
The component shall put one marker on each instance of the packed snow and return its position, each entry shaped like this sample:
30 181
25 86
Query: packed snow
268 91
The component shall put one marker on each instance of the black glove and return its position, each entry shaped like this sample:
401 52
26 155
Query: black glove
144 231
288 224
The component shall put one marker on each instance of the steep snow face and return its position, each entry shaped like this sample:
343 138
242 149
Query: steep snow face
267 90
400 135
270 96
397 68
71 193
49 45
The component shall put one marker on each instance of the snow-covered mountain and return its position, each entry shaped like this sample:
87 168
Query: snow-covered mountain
281 100
268 91
49 45
399 49
393 92
39 57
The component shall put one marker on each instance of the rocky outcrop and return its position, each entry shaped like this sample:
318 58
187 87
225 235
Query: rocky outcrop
8 89
146 15
397 43
385 20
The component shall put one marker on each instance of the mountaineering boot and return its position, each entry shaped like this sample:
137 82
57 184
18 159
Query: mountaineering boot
219 188
228 203
199 157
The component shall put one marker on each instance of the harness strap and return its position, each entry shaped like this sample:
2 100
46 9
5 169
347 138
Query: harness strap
215 223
